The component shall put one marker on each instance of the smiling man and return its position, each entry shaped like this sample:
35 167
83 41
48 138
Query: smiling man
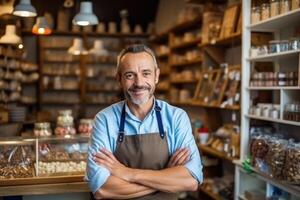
142 147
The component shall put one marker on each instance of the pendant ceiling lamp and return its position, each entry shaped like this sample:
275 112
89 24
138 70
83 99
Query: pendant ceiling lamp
86 16
24 9
10 36
98 49
77 48
41 26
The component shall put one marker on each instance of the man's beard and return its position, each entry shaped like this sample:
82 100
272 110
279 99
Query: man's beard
134 88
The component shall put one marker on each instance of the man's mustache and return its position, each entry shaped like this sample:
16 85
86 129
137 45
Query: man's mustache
136 87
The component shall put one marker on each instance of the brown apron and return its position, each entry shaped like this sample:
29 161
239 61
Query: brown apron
144 151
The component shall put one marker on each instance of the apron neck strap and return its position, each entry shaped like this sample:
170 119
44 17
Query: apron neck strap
158 117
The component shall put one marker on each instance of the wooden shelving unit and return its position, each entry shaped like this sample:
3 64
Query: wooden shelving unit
210 194
216 153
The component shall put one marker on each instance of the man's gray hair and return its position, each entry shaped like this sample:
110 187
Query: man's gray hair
135 48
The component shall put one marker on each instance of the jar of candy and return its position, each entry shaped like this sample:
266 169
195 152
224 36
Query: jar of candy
265 11
255 15
274 8
42 129
85 127
295 4
285 6
65 123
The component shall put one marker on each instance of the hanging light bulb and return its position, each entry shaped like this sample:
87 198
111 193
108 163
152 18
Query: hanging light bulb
41 27
24 9
98 49
10 36
77 48
86 16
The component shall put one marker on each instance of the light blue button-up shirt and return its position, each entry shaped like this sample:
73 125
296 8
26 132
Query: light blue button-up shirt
106 128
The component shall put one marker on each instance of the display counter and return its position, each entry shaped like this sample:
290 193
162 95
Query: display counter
48 165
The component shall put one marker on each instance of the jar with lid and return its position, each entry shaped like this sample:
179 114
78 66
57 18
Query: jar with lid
274 8
285 6
295 43
265 11
274 46
85 127
282 79
255 14
42 129
284 45
295 4
65 123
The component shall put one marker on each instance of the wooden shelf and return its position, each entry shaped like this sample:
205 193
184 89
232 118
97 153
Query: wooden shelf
183 81
59 102
186 44
197 103
278 22
187 25
161 56
60 89
102 90
159 38
282 121
183 64
275 56
181 103
274 88
63 61
67 75
216 153
233 40
209 193
70 33
292 189
206 1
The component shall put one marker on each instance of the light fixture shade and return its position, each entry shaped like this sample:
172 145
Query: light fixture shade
86 16
77 48
98 49
10 36
24 9
41 27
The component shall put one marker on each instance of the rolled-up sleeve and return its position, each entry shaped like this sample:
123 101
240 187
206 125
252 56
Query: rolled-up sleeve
97 175
185 138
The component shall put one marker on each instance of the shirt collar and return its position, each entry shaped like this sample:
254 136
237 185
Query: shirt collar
132 116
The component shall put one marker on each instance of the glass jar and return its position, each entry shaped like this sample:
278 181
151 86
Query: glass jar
295 4
295 43
65 123
284 45
274 46
292 163
282 79
85 127
42 129
285 6
265 11
255 14
274 8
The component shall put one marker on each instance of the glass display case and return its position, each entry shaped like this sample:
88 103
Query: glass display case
42 159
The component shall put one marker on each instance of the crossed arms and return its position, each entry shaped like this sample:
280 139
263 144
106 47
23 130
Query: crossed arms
125 182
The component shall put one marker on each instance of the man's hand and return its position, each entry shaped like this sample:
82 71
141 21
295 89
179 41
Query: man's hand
109 161
180 157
